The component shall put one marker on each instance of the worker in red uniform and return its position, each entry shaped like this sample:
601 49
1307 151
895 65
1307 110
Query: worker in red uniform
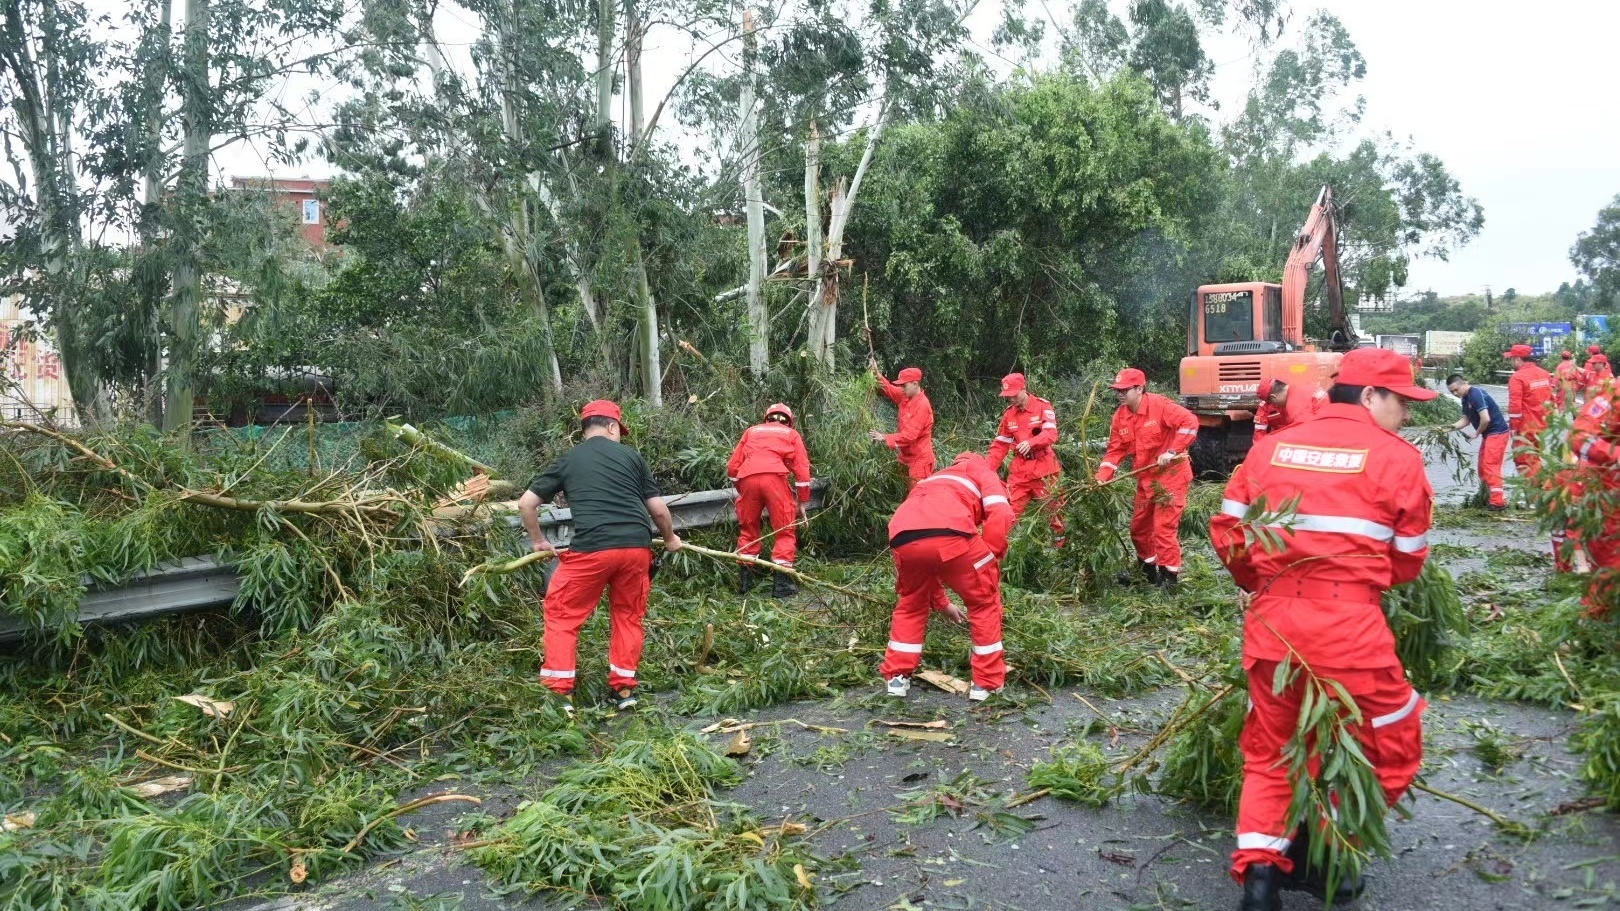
1029 429
1281 407
1597 369
1359 526
1595 440
1568 379
1156 434
759 468
615 504
937 541
1530 390
913 440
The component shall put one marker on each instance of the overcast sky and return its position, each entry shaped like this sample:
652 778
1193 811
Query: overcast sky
1521 107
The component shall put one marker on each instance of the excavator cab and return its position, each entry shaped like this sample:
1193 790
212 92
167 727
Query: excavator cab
1241 334
1244 318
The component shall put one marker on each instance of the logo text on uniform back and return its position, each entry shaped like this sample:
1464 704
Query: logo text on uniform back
1321 458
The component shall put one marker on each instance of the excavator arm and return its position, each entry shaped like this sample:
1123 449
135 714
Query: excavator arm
1319 238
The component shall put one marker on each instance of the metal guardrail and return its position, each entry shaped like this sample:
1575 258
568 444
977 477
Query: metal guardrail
201 583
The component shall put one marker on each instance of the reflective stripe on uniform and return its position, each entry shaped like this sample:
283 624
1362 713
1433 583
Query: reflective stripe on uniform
1398 714
1004 439
957 478
990 649
1341 525
1260 841
1109 465
620 671
1187 430
547 672
993 499
802 484
910 648
1411 545
983 560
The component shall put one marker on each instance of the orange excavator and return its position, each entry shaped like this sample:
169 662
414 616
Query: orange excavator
1239 335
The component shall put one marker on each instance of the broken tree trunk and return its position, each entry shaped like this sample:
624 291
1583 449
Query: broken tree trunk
824 300
758 325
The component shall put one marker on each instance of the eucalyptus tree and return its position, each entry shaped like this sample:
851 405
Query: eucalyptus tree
1596 253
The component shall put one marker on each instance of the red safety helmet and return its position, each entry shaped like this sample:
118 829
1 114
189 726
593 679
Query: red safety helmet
1519 351
781 409
1594 349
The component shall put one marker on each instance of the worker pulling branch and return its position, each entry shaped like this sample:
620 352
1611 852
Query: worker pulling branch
759 467
1155 433
913 440
615 504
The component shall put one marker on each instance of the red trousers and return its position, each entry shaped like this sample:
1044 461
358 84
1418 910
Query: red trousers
1604 589
1156 518
917 469
1022 490
1524 453
570 600
756 494
970 569
1390 735
1492 453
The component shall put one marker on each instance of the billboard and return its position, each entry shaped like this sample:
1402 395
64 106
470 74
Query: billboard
1404 345
1592 327
1544 338
1438 343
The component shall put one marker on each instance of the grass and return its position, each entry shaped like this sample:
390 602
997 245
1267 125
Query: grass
359 670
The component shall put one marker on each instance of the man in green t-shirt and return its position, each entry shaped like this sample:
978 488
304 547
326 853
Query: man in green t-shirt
615 503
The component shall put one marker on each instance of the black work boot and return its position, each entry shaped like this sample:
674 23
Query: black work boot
784 587
1150 572
1262 888
1167 579
1312 881
745 579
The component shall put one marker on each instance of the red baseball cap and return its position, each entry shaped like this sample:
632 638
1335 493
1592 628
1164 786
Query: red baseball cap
604 408
910 375
1519 351
1593 349
1565 354
1012 384
1383 368
1129 377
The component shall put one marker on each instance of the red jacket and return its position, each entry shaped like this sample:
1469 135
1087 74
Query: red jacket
771 448
1529 391
1268 418
1597 372
1035 422
1359 527
1595 436
960 497
1159 426
914 440
1568 378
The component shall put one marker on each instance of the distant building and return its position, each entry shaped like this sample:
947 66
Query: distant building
301 194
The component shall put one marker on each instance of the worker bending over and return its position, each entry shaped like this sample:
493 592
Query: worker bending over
615 504
913 440
1360 526
1529 392
937 542
1155 433
1595 440
1482 418
1029 430
1280 407
759 467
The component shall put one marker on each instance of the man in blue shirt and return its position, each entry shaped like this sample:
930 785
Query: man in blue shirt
1483 418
